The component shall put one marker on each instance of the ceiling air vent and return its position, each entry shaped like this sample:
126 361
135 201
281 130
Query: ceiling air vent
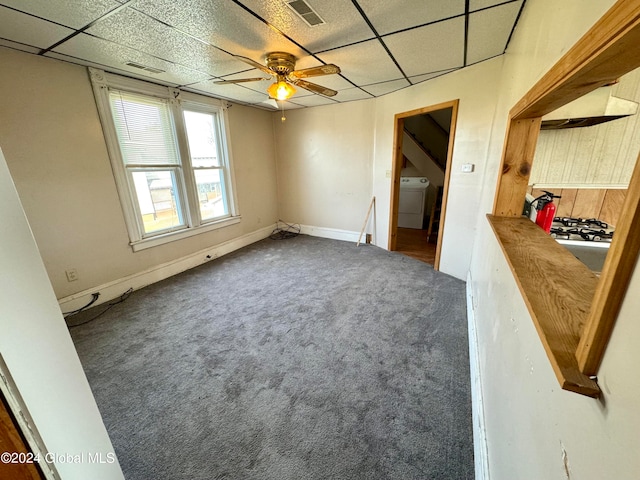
144 67
305 12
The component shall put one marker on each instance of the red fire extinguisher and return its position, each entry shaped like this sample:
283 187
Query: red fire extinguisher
546 210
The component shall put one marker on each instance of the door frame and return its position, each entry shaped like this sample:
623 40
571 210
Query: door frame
397 168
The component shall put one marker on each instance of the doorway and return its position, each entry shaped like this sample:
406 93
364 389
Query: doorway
423 148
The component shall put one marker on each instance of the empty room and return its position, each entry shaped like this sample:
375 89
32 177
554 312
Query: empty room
346 239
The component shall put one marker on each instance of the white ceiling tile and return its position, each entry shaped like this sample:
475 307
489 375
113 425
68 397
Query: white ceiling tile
343 23
148 77
222 24
113 55
391 16
136 30
194 40
23 28
429 49
335 82
489 31
313 100
379 89
72 13
350 94
363 63
421 78
233 91
480 4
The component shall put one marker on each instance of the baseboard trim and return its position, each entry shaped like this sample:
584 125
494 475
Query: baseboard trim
480 450
116 288
333 233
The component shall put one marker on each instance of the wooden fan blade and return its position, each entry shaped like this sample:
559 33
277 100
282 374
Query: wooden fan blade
312 87
255 64
316 71
240 80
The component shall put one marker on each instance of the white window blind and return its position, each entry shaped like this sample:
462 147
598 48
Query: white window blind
144 128
170 158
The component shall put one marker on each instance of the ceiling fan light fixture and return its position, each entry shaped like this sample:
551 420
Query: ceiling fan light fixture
281 90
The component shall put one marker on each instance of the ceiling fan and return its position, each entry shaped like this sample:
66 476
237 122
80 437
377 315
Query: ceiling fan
282 66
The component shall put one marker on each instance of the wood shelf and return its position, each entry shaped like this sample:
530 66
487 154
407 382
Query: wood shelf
558 290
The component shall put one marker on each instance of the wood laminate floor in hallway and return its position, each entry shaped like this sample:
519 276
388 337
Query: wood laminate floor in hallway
414 243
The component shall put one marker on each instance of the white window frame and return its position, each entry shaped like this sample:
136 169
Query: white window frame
179 101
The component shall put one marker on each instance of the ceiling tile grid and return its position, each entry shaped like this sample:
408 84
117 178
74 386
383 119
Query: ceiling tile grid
22 28
380 45
388 17
435 47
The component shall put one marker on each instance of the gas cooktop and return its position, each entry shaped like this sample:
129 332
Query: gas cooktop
581 229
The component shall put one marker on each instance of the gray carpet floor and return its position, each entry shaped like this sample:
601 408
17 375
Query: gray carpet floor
293 359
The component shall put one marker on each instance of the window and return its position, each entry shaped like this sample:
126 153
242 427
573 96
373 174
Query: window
169 153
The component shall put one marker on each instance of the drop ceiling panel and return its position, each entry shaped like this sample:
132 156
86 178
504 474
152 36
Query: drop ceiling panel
429 49
138 31
313 100
351 94
23 28
379 89
222 24
335 82
133 73
100 51
363 63
232 91
489 31
343 23
72 13
421 78
195 41
480 4
387 16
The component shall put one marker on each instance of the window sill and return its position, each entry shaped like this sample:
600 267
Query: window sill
558 290
180 234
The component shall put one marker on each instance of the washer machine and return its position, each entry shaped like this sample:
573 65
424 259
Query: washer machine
413 199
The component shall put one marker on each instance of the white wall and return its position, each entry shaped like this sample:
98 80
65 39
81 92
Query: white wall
531 423
36 347
477 89
55 149
324 165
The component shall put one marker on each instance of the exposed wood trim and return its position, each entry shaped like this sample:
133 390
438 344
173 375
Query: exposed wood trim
517 159
616 274
606 52
397 167
447 177
556 302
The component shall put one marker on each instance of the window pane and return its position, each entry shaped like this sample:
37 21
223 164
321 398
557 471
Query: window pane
201 134
144 129
157 199
211 193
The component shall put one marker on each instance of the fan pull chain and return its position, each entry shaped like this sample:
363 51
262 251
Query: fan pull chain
283 118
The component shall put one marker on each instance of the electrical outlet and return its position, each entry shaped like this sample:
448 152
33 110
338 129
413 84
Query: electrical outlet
388 174
72 275
468 167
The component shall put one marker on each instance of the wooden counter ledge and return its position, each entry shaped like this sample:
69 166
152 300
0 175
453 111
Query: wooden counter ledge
558 290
